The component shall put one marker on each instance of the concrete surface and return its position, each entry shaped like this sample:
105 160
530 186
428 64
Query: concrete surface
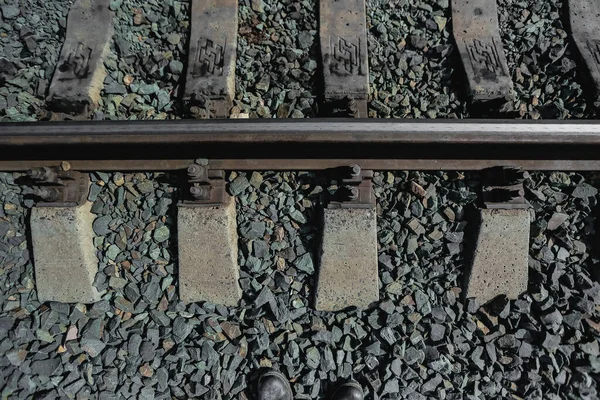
208 250
64 256
348 273
79 77
500 260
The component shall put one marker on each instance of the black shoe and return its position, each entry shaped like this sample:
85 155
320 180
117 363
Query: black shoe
348 391
273 385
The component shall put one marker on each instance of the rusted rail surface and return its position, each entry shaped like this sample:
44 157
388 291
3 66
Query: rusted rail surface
304 144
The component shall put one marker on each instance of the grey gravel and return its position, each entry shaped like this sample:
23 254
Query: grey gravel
420 324
10 11
45 367
92 346
584 191
414 69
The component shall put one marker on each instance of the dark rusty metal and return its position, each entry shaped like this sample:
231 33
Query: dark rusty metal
477 35
502 187
353 108
302 145
353 193
56 187
355 187
205 186
354 170
584 16
343 36
79 75
210 78
43 174
305 164
505 176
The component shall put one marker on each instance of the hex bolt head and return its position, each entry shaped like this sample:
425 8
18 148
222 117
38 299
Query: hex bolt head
195 171
43 174
352 107
354 170
353 192
46 193
200 192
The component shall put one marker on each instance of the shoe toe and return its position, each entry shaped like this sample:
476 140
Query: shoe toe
274 386
349 391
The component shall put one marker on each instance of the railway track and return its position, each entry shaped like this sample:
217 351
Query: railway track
235 232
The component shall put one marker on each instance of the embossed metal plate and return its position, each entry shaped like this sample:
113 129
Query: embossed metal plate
210 80
477 35
343 36
79 75
584 17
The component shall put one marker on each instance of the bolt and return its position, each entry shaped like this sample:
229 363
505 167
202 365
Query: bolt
43 174
352 192
195 171
354 170
352 107
200 112
46 194
200 192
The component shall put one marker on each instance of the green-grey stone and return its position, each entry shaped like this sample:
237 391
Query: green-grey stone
112 252
164 98
145 88
264 83
176 67
297 216
238 185
313 358
161 234
92 346
116 282
256 179
44 336
305 263
174 38
145 186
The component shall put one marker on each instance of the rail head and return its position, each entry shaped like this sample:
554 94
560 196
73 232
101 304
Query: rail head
303 144
275 131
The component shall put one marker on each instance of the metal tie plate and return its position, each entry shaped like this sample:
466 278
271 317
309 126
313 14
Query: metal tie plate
79 75
210 80
477 35
343 35
584 16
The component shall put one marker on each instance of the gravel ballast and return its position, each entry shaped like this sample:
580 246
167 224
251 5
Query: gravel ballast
419 341
415 70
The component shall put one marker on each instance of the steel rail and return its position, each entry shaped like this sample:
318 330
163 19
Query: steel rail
302 144
307 130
